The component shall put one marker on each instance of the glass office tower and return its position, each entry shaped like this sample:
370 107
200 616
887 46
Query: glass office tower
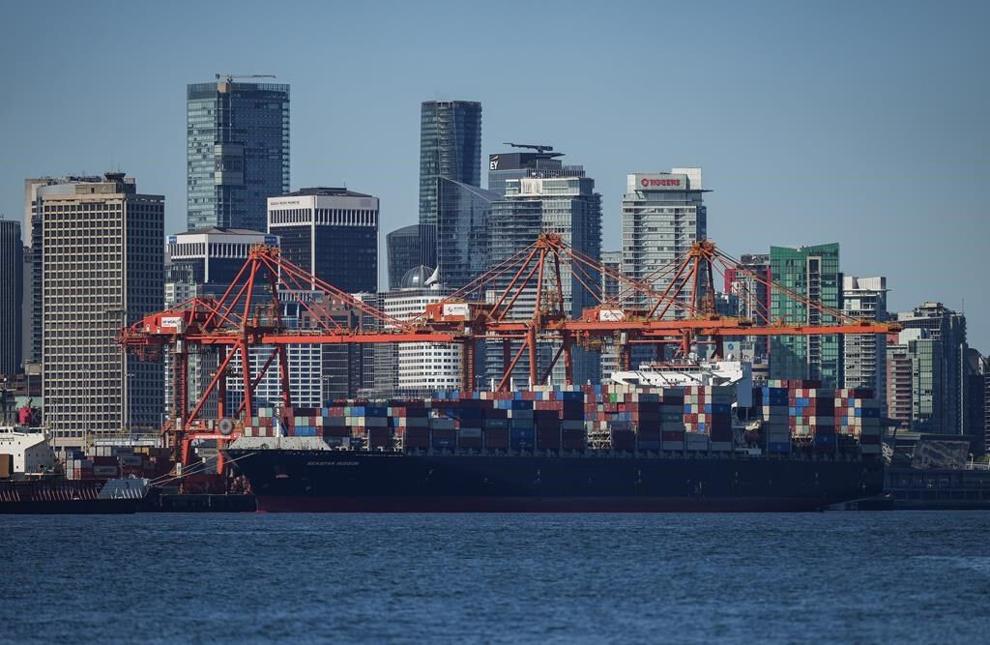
237 152
813 272
450 147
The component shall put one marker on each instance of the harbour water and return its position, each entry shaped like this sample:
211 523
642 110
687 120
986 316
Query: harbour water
832 577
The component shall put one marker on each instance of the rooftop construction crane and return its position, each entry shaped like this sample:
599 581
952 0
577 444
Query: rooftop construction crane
519 303
537 147
230 77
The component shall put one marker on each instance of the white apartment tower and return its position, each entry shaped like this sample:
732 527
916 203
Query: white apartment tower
663 214
865 355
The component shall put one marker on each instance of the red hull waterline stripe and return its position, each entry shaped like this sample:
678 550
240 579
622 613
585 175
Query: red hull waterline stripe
279 504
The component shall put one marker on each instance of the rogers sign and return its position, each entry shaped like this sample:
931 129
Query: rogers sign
647 182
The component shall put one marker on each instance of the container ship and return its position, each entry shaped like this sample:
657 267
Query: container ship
719 445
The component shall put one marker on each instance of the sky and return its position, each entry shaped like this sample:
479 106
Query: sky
863 123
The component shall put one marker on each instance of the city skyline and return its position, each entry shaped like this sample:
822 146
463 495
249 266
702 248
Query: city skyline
826 144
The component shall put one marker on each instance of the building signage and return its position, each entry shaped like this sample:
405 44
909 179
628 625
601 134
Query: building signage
456 309
271 240
172 322
661 182
493 162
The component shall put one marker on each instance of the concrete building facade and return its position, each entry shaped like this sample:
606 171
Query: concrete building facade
864 356
103 269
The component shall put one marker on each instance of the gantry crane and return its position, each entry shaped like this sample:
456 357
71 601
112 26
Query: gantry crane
487 309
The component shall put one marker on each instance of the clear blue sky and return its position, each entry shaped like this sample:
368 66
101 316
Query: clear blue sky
864 123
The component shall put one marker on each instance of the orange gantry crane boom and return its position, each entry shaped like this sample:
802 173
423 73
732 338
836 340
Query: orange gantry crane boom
520 302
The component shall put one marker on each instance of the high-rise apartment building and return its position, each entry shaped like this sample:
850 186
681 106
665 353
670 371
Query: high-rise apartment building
450 147
927 403
813 272
33 234
947 328
331 233
237 152
864 356
103 269
663 214
569 207
899 394
11 296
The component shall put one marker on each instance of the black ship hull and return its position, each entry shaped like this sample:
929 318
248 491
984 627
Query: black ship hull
354 481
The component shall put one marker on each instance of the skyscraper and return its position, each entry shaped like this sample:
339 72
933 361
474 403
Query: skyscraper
542 162
11 296
462 234
899 396
331 233
34 233
865 355
103 269
813 272
946 329
450 147
237 152
663 214
569 207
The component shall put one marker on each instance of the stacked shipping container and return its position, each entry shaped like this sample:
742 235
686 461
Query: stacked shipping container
613 417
